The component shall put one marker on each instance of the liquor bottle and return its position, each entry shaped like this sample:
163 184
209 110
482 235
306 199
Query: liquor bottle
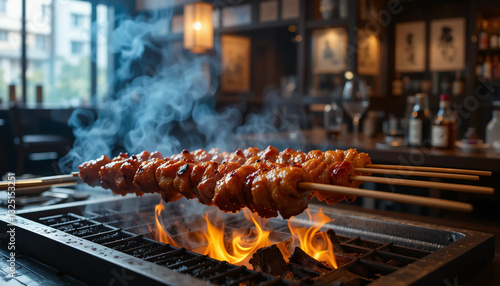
419 124
479 66
483 38
487 68
493 128
494 37
410 103
444 126
458 84
495 68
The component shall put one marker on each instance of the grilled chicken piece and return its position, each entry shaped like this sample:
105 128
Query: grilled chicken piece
270 154
125 176
204 177
165 175
229 191
182 182
109 172
236 157
201 155
251 151
89 171
321 173
276 191
289 156
145 179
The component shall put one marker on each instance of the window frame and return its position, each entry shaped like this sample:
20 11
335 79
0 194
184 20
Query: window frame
93 51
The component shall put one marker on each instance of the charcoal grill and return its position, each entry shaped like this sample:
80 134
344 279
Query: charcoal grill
109 242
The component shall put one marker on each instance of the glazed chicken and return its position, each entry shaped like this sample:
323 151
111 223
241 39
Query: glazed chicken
264 181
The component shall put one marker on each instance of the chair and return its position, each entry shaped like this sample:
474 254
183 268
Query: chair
27 144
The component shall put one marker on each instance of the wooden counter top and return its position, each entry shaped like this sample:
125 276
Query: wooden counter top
316 139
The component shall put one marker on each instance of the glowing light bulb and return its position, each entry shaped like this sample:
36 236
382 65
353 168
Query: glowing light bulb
197 26
348 75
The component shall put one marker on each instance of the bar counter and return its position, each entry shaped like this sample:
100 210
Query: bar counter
317 139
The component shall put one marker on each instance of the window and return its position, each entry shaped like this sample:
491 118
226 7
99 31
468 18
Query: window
3 36
3 6
40 42
45 11
76 47
77 19
64 69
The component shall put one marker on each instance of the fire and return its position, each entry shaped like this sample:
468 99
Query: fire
315 243
238 248
243 244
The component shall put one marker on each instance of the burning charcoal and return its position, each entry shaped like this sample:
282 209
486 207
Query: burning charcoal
269 260
340 277
337 247
301 258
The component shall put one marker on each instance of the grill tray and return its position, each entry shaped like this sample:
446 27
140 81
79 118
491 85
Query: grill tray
106 242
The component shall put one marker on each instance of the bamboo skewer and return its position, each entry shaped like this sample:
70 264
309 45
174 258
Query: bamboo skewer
59 180
425 184
429 169
417 174
401 198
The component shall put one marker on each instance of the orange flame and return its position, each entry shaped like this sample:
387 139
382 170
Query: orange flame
315 243
244 242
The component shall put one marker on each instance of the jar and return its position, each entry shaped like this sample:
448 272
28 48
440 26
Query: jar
493 128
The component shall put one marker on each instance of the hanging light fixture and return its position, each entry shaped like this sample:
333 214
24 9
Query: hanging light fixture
198 28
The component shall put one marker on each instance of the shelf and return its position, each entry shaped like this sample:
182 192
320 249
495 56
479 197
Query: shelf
256 26
337 22
489 51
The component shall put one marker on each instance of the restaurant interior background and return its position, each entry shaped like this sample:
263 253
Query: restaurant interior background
99 77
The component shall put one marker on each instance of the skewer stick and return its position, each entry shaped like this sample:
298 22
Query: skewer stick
72 179
429 169
417 174
401 198
60 180
425 184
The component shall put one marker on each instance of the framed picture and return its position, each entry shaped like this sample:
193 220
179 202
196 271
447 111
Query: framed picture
368 55
410 47
447 47
289 9
268 11
236 15
329 48
235 64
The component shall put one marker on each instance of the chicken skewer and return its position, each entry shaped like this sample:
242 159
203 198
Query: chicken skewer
173 179
124 181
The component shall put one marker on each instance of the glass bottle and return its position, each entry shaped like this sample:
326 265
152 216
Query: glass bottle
458 84
444 125
483 38
487 68
419 124
410 103
493 128
494 37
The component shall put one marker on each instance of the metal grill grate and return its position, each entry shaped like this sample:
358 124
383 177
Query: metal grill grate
377 251
105 230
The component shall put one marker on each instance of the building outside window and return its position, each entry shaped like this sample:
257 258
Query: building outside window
77 19
3 36
40 42
3 6
76 47
63 69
